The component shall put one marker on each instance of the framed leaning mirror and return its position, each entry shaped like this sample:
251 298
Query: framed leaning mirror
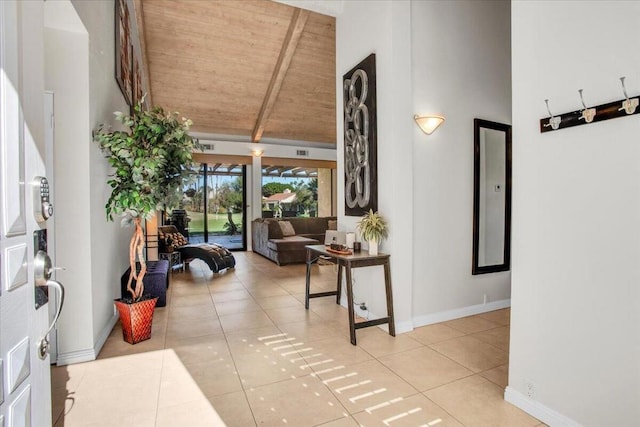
491 197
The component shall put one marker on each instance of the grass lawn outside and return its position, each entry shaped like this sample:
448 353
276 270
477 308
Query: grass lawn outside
216 222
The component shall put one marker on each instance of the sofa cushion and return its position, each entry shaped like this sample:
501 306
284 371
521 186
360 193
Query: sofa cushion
332 224
293 243
287 228
275 232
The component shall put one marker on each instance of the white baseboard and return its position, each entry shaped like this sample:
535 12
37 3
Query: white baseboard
78 356
88 355
538 410
429 319
457 313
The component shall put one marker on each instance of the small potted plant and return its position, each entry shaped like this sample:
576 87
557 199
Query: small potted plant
150 163
373 228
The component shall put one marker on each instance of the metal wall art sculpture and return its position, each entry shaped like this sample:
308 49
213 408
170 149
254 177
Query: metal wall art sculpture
360 138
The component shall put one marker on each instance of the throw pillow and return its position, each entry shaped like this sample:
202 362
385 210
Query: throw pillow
333 224
287 228
178 239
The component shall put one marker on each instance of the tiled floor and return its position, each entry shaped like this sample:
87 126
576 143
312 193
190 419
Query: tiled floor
239 348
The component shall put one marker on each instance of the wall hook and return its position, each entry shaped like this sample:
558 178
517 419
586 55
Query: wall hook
554 122
628 105
588 114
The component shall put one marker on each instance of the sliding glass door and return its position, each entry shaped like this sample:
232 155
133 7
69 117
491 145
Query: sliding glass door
214 202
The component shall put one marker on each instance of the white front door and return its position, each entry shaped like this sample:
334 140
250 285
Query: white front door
25 394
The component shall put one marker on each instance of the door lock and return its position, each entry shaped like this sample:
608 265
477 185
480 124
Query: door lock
43 209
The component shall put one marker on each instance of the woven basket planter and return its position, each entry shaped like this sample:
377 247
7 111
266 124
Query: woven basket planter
136 319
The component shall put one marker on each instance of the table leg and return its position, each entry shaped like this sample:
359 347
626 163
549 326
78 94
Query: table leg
387 284
308 282
352 327
339 280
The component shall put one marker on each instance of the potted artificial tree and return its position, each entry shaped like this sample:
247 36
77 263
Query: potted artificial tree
373 228
149 163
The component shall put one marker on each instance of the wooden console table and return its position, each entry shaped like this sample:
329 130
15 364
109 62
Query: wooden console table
358 259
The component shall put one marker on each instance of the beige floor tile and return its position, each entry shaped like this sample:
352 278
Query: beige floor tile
198 413
279 301
424 368
434 333
238 306
199 349
127 364
341 422
215 377
416 410
230 296
472 353
498 376
379 343
113 392
498 337
193 312
225 286
138 419
250 320
248 340
332 352
471 324
176 384
267 291
190 300
308 332
193 328
189 289
234 409
501 317
294 287
248 344
115 345
327 308
292 314
476 401
365 385
266 366
296 402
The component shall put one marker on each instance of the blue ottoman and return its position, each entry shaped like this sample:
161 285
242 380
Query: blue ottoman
156 281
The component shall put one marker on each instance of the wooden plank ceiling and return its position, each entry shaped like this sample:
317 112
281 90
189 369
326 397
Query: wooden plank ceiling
254 68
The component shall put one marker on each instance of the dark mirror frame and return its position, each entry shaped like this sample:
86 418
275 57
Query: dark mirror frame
506 265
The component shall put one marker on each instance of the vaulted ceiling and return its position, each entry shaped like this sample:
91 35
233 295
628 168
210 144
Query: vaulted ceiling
251 68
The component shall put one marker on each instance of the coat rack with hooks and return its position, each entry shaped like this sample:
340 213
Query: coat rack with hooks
622 108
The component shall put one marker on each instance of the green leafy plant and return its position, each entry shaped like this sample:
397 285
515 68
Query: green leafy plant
150 163
372 226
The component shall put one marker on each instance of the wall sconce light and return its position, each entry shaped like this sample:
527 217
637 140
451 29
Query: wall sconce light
428 123
256 152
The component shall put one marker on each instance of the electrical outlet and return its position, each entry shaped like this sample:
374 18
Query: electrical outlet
530 389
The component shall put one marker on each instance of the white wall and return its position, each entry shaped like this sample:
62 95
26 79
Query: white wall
80 70
67 76
425 184
382 27
575 323
461 69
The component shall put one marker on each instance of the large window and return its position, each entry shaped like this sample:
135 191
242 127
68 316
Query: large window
214 201
289 191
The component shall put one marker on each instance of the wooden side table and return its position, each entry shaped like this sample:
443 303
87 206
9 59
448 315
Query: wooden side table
358 259
174 258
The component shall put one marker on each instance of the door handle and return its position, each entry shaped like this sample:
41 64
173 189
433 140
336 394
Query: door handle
43 344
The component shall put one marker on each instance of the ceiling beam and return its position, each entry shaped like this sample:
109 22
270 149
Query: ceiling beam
137 7
298 21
